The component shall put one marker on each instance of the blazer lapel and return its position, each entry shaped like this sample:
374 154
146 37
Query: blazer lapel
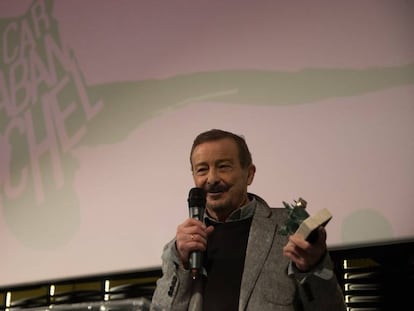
260 241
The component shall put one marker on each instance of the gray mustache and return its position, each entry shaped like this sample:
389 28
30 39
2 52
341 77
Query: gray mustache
216 188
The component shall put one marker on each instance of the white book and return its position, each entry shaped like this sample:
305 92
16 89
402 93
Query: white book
310 224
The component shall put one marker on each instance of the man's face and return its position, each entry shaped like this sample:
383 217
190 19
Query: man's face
216 168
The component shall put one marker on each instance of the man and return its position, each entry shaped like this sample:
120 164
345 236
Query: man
247 264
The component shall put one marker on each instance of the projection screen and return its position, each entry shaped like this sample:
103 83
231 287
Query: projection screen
100 101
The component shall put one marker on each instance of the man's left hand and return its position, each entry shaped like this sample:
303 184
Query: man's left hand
304 254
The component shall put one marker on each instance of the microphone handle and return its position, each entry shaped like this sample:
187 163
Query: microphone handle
196 257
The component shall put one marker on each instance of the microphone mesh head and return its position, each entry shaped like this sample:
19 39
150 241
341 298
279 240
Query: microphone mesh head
197 197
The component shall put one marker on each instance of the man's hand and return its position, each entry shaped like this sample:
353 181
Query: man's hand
191 236
304 254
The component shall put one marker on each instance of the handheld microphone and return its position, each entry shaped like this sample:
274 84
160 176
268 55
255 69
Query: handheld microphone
196 205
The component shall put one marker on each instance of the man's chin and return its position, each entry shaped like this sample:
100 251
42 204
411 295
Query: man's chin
214 204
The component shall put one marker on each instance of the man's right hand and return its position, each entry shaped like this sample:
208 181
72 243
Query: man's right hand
191 236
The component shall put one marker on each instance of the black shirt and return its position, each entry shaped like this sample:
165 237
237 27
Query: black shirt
224 263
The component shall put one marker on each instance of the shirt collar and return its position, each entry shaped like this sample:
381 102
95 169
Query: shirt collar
244 212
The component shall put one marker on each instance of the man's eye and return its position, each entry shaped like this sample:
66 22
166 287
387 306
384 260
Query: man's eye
225 166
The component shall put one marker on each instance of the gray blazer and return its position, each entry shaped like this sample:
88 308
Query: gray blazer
269 281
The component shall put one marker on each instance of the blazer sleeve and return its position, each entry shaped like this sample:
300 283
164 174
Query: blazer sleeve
173 289
319 288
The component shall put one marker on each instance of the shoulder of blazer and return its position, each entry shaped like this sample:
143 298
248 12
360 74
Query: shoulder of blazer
264 210
280 213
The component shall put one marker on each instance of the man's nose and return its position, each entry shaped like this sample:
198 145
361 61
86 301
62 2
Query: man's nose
212 177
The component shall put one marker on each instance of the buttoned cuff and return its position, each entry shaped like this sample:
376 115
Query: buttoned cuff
323 270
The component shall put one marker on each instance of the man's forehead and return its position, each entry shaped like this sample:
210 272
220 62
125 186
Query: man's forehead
217 149
224 145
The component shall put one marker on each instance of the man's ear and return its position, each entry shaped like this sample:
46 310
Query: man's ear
251 170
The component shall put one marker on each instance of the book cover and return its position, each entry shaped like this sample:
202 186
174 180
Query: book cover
308 227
